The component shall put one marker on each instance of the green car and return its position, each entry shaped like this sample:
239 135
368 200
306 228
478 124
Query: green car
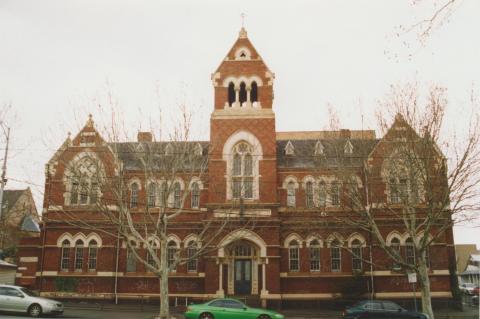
228 309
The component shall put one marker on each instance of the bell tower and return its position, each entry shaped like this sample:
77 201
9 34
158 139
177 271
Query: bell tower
242 131
243 81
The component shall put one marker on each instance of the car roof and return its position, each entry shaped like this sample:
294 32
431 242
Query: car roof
10 286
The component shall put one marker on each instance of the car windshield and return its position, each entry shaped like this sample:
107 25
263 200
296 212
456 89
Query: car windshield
28 292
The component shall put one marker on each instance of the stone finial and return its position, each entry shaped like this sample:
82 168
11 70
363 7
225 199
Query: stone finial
90 120
243 33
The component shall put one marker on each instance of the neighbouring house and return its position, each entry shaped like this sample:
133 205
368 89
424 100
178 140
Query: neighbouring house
290 185
468 264
7 272
19 214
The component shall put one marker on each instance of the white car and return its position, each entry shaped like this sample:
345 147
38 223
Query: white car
19 299
467 288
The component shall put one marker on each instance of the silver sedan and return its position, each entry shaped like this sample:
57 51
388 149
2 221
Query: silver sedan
19 299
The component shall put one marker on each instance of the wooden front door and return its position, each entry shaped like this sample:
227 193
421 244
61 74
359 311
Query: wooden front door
243 277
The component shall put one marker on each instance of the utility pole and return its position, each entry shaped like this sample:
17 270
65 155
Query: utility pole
4 167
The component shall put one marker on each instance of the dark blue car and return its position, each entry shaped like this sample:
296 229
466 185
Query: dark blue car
380 309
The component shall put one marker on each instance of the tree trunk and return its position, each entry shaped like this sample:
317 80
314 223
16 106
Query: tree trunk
164 305
424 282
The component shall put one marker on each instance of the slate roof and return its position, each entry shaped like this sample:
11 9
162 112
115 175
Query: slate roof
304 156
10 197
333 154
130 153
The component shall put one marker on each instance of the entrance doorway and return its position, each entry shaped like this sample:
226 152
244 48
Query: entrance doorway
243 277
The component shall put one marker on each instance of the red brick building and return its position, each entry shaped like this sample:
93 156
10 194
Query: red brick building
298 250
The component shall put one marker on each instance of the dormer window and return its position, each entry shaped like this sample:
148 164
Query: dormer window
348 148
289 149
169 150
198 150
319 148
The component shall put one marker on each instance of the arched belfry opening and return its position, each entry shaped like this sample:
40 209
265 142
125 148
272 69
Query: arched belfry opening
243 93
231 93
254 92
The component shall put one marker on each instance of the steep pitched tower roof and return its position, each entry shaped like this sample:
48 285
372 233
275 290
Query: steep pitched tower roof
243 81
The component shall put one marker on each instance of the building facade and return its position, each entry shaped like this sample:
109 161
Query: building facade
288 182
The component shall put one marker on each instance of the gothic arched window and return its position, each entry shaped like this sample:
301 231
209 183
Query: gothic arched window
309 194
171 252
291 194
195 195
254 92
177 200
65 261
410 251
134 195
231 93
92 255
356 255
335 194
163 194
192 258
395 245
152 189
315 255
336 255
322 194
79 255
294 255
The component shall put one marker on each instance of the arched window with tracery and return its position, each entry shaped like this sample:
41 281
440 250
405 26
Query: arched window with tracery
395 246
134 195
92 255
82 179
336 255
195 195
65 259
314 255
79 255
356 255
231 93
294 256
254 92
242 171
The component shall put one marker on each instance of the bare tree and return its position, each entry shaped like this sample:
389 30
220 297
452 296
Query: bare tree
427 192
138 193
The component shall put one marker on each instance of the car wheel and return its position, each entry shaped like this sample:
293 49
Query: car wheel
35 310
206 315
264 317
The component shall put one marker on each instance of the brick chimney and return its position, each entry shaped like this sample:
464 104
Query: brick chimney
144 136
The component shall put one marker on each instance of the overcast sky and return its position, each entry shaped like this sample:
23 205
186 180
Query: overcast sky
58 59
